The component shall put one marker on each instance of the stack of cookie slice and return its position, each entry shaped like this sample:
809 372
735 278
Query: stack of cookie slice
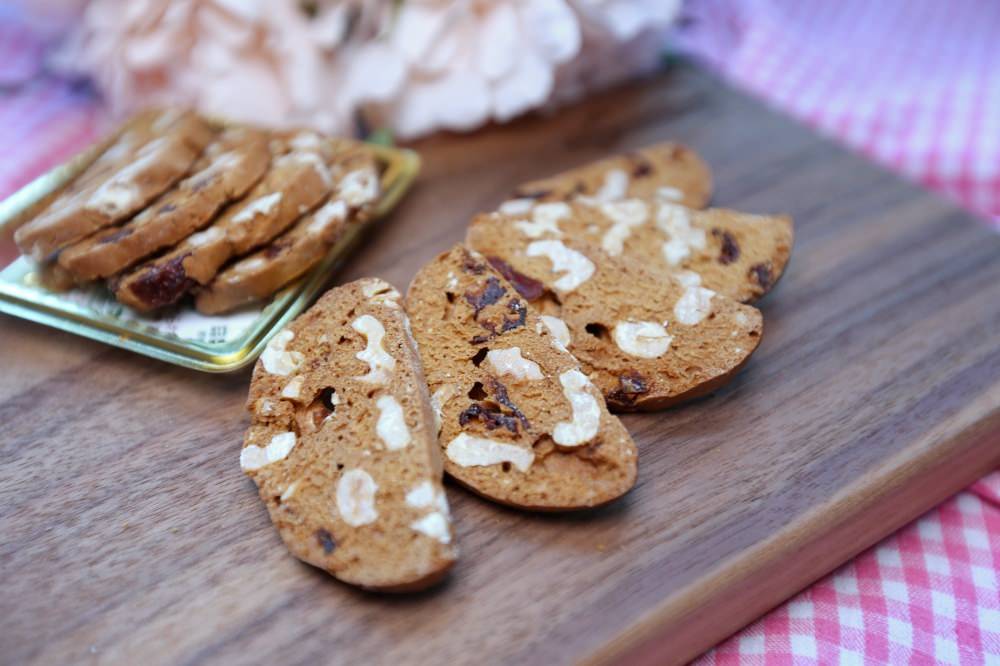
177 205
598 288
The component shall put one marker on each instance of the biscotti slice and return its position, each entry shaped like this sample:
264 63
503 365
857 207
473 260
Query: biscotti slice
342 443
296 251
144 162
667 171
736 254
519 422
296 182
648 340
229 168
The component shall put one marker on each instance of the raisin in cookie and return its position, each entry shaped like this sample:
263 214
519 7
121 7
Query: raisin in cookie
229 168
735 254
646 339
298 180
295 252
342 443
147 158
667 171
519 422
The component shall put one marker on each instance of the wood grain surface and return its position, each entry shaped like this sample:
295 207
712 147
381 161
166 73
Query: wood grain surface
131 536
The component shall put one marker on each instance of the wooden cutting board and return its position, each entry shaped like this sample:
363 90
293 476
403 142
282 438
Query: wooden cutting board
130 534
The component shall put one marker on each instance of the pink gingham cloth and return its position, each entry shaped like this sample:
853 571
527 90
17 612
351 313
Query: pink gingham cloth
914 85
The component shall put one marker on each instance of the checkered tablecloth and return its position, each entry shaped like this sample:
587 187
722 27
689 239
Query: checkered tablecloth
914 85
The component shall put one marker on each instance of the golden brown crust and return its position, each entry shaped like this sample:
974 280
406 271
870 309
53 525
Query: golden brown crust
300 178
645 338
295 252
736 254
151 153
342 446
667 169
229 168
520 424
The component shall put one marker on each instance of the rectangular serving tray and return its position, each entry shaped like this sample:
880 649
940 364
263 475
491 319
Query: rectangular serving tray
221 343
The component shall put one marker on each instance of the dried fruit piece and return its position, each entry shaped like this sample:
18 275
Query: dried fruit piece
519 423
350 469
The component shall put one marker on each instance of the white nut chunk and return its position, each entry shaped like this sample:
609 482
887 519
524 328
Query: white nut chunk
545 220
332 211
615 186
264 205
380 363
625 215
643 339
558 329
425 496
575 267
293 390
391 425
468 451
516 206
510 362
356 498
434 525
277 360
254 457
586 411
359 187
667 193
688 278
675 221
694 305
381 292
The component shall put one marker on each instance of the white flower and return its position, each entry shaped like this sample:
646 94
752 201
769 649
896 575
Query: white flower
415 66
256 60
472 61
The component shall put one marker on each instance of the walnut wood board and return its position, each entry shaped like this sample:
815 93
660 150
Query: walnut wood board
131 536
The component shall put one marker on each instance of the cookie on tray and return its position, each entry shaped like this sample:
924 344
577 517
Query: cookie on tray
342 443
152 153
519 422
295 252
667 171
739 255
647 339
298 180
230 166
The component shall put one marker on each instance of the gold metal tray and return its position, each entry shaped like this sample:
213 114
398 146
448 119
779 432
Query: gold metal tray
221 343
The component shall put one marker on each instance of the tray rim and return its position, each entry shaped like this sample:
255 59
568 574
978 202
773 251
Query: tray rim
400 167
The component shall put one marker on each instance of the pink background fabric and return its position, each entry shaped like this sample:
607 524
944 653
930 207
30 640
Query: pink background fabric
914 85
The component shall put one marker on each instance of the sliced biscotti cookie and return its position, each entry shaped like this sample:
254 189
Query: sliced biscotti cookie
736 254
342 443
149 157
295 252
667 171
229 168
519 422
646 339
298 180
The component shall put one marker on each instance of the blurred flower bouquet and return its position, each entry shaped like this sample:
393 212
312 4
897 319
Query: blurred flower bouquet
413 66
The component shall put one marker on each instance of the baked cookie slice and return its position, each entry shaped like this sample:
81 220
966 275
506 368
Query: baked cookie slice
295 252
148 157
646 339
342 443
519 422
667 171
229 168
735 254
298 180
